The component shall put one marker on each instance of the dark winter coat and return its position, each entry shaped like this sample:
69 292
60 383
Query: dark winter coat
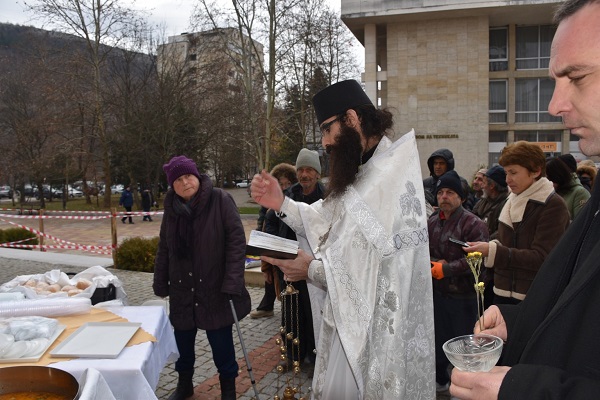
430 183
574 195
146 200
489 211
200 283
462 225
552 344
126 199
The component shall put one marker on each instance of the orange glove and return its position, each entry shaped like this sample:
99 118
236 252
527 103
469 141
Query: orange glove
436 270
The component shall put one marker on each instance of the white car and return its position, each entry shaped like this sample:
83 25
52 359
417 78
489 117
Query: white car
243 184
75 192
116 189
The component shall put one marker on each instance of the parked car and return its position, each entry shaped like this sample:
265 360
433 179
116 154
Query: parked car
47 191
57 192
5 192
75 192
29 190
243 184
116 189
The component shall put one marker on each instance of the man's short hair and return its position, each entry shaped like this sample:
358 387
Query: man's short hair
570 7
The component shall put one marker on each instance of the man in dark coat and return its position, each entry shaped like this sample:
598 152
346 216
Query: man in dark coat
495 194
552 349
126 201
147 202
200 266
454 299
440 162
308 190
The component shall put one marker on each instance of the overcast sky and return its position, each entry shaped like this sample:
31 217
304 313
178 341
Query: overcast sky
174 14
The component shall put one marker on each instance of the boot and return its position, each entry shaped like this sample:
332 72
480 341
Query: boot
227 388
185 386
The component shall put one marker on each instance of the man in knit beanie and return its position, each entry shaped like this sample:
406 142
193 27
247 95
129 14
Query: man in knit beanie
308 190
454 300
308 170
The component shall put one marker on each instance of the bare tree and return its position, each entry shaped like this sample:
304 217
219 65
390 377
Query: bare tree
319 53
303 37
103 25
33 114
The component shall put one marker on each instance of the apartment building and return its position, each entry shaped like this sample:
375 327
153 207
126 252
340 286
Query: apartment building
225 71
204 54
469 75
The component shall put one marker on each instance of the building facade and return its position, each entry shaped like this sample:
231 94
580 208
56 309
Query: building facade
470 75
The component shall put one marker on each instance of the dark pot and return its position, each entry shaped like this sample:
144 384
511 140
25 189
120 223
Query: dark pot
35 378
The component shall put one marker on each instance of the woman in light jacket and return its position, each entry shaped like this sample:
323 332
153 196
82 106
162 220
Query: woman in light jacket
531 223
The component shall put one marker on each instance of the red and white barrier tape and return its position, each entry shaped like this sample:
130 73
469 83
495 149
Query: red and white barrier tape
138 213
39 233
18 241
57 211
53 217
78 247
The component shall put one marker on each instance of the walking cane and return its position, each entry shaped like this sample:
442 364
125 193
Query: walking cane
248 365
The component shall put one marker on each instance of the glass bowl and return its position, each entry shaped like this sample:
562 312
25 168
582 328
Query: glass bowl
474 353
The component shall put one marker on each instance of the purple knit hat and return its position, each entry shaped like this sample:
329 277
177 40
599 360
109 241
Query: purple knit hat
180 165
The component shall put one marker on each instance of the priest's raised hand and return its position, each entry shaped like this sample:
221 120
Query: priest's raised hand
265 190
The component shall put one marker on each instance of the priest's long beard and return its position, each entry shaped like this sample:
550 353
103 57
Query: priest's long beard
344 159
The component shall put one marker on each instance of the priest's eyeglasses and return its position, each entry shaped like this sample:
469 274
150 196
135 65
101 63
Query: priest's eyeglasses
327 126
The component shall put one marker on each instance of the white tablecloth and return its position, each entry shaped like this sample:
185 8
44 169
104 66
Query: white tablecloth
134 374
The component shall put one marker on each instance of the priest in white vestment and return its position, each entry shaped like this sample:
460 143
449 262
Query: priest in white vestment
368 266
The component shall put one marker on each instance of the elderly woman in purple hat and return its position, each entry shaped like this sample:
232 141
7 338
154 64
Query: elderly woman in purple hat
200 266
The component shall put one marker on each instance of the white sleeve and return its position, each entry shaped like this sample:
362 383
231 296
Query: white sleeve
316 273
290 214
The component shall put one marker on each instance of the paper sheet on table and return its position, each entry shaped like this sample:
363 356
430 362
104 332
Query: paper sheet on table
73 323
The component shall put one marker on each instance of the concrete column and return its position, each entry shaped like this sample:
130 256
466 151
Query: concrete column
370 75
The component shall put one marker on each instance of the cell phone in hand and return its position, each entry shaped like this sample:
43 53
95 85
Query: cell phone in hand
463 244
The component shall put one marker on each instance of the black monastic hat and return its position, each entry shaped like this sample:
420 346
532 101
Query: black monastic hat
338 98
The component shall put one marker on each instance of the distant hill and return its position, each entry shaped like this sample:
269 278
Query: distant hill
19 43
20 37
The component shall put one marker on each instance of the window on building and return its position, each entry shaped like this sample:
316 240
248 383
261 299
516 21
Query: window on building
498 49
538 136
533 46
497 141
498 137
498 100
532 97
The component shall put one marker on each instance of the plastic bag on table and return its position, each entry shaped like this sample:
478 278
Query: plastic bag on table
27 328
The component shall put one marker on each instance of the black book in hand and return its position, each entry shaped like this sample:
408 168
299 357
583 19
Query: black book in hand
265 244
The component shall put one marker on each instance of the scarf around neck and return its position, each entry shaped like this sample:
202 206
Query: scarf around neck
514 209
182 240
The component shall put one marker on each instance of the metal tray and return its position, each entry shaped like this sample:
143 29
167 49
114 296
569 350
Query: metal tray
37 356
97 340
